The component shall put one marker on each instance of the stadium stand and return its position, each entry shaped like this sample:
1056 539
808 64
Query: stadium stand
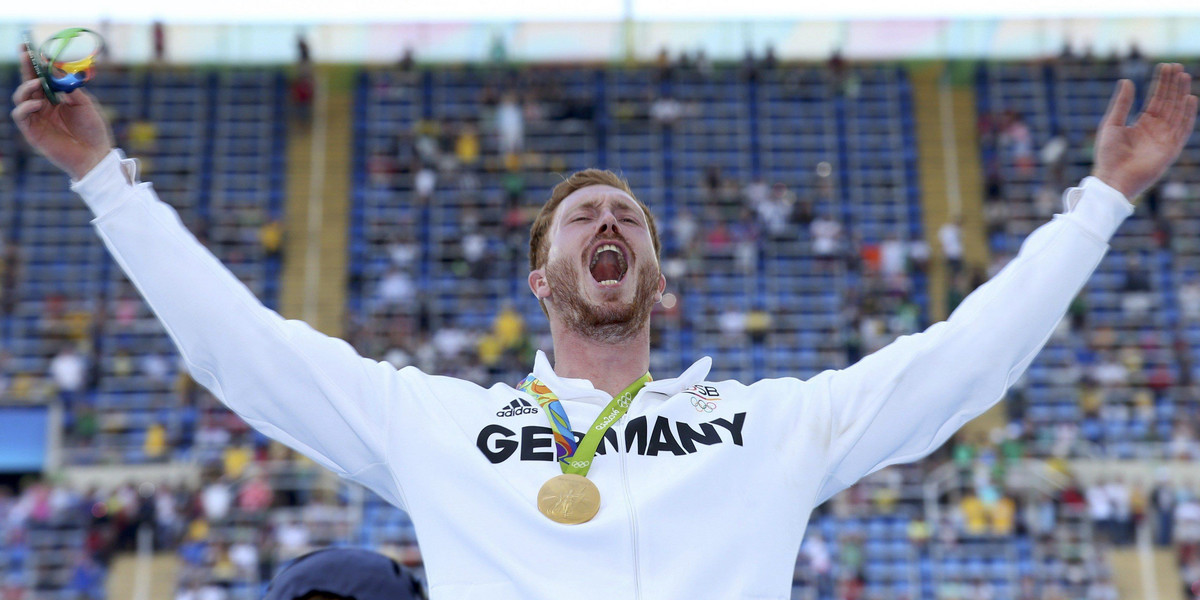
74 329
1121 366
789 204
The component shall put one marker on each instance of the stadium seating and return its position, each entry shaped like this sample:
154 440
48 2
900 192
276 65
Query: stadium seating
842 145
1126 322
791 121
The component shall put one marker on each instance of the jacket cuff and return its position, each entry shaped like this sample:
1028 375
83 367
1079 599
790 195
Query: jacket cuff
105 186
1097 207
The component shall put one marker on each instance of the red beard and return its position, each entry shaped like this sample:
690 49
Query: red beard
609 322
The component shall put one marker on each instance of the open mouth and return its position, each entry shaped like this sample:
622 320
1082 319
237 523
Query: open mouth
608 266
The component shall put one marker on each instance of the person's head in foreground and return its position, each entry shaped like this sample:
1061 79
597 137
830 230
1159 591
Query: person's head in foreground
593 259
344 574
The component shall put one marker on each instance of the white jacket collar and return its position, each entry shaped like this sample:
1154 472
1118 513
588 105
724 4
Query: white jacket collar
567 388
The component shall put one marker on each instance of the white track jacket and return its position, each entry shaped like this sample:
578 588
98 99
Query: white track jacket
706 486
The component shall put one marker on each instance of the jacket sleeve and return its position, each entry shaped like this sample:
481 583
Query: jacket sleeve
902 402
296 385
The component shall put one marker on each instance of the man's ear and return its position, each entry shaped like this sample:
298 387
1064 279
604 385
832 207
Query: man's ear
662 287
538 284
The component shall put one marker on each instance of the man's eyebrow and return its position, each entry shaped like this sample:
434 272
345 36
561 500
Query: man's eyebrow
596 202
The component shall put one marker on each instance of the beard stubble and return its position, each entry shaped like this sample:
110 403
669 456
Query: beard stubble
608 323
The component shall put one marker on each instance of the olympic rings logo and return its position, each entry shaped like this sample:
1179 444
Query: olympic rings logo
703 405
580 464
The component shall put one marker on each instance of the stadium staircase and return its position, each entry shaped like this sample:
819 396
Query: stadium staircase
318 195
1135 580
952 183
124 573
1166 574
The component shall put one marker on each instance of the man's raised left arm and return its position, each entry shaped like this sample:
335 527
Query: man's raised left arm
902 402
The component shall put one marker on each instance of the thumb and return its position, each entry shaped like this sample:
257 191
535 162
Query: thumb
1119 105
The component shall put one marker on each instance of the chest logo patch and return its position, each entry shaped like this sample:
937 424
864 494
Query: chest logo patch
703 397
516 408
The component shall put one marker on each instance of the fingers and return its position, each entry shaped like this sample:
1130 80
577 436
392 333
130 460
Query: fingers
22 113
26 66
1160 89
1179 96
1119 105
28 90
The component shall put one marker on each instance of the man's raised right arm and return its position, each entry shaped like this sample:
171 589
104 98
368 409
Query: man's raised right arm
309 391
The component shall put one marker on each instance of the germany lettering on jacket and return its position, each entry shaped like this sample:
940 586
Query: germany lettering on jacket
499 443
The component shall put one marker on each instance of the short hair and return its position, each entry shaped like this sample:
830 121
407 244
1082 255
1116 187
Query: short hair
538 247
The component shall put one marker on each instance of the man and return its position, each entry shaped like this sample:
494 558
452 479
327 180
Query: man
698 489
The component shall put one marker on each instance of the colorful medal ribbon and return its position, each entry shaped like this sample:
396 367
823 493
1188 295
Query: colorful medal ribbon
576 457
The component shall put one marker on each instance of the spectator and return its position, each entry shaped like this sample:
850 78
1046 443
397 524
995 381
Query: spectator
159 40
950 236
292 537
758 325
87 578
156 368
155 445
666 111
142 137
1017 143
68 370
1110 372
509 328
270 239
396 290
1137 298
424 183
732 322
474 253
466 146
893 257
256 494
1134 66
243 556
775 210
918 254
1053 156
510 125
1100 510
1162 505
826 235
1118 494
816 552
216 499
403 251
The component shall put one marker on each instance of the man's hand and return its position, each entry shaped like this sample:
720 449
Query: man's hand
72 134
1132 158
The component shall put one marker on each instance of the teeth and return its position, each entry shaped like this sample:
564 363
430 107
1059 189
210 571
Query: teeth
608 282
609 248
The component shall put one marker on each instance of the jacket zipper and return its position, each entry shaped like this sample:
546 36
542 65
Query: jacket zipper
637 579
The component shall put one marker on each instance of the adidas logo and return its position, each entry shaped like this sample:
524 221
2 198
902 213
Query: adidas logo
517 407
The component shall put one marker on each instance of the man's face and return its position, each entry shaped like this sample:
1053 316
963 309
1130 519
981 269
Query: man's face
601 276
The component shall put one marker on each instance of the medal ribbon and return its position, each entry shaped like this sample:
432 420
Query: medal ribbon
576 457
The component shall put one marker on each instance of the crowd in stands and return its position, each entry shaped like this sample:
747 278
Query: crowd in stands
1123 359
729 221
231 529
234 527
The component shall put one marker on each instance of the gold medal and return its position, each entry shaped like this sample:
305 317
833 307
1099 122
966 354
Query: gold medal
569 499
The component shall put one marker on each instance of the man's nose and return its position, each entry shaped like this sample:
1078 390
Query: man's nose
608 223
